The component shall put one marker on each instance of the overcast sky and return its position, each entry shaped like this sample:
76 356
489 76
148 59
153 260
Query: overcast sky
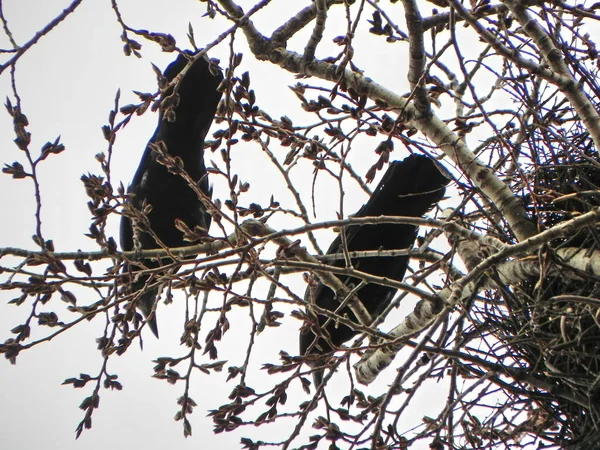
68 83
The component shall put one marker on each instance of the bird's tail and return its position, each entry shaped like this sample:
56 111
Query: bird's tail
145 297
147 308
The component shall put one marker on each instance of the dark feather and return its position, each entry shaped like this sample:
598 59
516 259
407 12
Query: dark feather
408 188
170 195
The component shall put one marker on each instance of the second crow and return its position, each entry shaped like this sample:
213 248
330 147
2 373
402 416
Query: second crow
408 188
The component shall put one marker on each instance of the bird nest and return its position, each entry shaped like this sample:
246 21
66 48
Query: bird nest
543 333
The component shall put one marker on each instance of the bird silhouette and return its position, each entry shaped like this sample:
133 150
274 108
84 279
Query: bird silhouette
408 188
184 121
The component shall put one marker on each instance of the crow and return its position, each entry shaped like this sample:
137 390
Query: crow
182 127
408 188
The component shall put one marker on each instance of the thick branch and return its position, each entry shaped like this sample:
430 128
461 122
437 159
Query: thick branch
297 22
317 33
416 68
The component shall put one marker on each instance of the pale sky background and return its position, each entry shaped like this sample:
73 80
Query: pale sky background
67 83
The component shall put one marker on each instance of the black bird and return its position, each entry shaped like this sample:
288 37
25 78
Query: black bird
170 195
408 188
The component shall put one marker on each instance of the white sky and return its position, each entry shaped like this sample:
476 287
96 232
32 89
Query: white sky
67 83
